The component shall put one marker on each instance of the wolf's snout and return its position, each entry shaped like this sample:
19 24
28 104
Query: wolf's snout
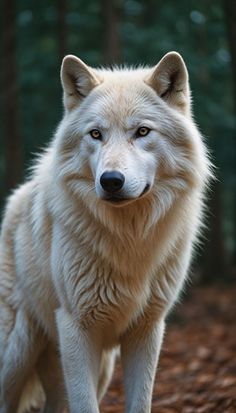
112 181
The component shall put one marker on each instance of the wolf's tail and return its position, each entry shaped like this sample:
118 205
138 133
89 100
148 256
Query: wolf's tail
32 396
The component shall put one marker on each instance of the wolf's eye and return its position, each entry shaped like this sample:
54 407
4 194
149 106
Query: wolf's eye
95 134
142 131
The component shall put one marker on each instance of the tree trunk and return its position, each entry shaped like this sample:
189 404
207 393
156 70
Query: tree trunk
214 257
62 29
111 12
12 141
230 18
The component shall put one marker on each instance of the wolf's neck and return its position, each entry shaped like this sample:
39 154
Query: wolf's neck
134 222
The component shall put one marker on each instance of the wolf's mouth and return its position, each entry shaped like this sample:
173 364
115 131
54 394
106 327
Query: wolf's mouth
116 200
147 187
119 200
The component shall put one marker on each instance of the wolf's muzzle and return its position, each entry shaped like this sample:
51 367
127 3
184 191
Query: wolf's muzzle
112 181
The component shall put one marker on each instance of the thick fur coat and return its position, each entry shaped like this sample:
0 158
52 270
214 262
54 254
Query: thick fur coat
96 245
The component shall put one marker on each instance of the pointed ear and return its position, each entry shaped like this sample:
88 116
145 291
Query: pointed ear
169 79
77 80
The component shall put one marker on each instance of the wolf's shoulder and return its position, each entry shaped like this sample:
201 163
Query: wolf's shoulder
17 204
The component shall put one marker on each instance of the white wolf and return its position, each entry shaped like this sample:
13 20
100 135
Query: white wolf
96 245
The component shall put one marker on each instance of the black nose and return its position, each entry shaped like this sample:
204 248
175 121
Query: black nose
112 181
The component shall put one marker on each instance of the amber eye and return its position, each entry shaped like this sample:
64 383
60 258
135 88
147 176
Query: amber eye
96 134
143 131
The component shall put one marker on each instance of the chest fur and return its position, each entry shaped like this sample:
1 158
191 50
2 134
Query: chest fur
104 276
104 281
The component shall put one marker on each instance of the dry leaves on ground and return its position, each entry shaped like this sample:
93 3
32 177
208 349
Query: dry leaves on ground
197 369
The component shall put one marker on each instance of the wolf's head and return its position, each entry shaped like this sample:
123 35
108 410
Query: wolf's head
127 134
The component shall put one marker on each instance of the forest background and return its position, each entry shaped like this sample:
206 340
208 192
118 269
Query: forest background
35 37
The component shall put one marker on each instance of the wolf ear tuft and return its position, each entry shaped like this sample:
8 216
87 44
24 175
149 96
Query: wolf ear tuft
169 79
77 79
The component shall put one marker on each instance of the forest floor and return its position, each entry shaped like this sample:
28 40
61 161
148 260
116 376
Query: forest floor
197 368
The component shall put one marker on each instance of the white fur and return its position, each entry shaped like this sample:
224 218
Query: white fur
81 275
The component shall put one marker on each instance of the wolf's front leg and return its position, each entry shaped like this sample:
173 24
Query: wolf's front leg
50 374
80 354
22 348
140 348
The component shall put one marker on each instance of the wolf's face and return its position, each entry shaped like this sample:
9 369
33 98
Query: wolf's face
126 133
119 138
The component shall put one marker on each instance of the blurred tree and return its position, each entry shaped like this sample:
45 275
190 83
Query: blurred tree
62 28
12 141
213 257
230 16
214 262
111 12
